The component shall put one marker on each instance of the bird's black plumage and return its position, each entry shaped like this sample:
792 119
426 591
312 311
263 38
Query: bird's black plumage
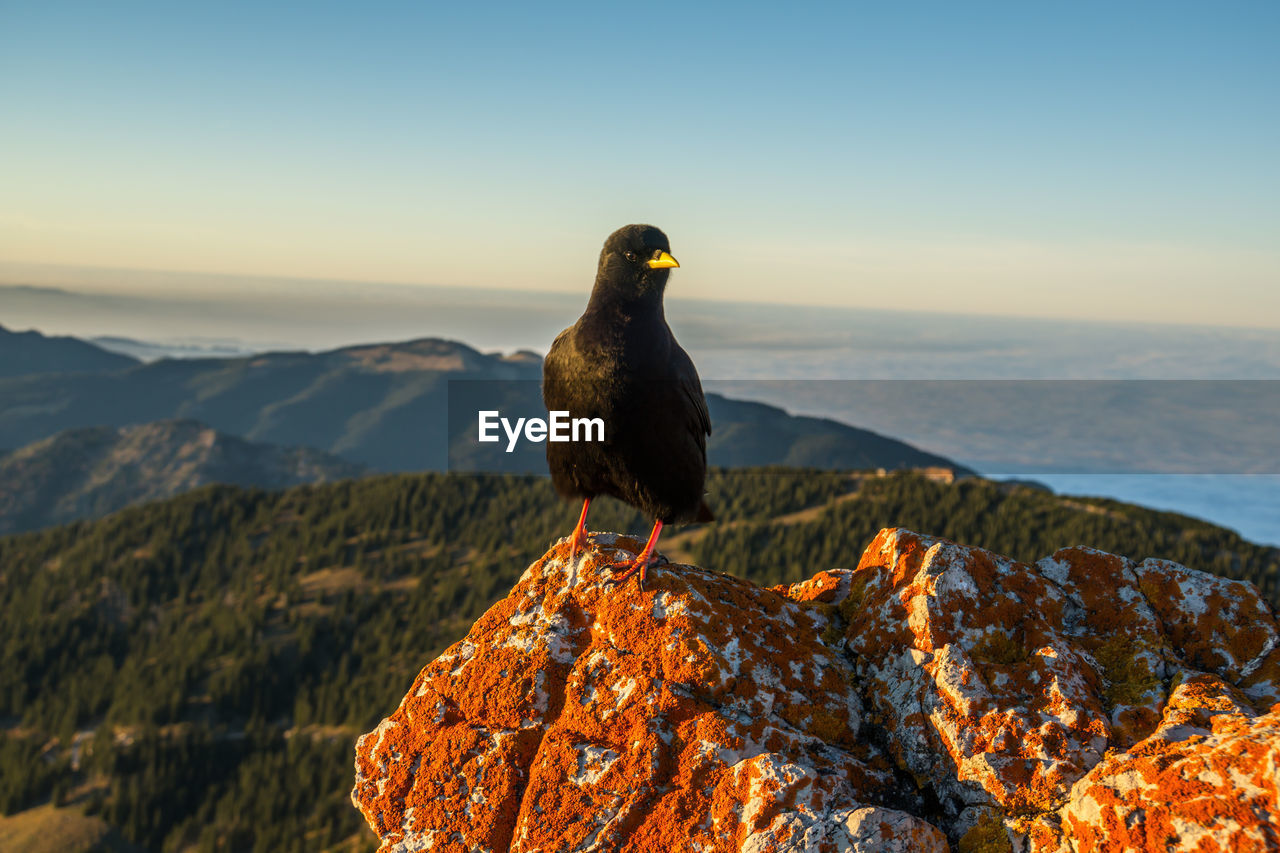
620 362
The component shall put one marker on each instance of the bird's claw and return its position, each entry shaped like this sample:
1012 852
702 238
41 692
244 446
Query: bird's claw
640 564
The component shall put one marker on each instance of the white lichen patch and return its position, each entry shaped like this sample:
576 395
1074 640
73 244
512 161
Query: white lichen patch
623 690
955 581
377 736
1251 667
541 699
540 632
732 654
592 763
874 829
918 617
950 668
1055 570
666 605
419 842
466 650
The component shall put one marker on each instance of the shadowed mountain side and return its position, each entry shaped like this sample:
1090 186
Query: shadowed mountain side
408 406
377 405
86 473
744 434
749 433
31 353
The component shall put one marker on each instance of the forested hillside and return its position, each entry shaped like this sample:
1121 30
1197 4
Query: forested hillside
194 672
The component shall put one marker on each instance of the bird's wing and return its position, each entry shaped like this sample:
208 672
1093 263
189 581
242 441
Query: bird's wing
553 371
691 387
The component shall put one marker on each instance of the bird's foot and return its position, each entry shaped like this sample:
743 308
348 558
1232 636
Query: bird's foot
639 565
647 557
579 538
577 542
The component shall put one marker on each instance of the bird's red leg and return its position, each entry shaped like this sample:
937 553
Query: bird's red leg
579 537
642 561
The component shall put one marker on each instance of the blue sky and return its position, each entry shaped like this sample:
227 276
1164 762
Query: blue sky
1113 161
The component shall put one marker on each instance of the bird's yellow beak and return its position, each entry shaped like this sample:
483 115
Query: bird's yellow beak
662 262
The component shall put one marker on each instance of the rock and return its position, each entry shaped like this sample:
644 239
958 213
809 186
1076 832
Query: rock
938 697
1219 790
1004 685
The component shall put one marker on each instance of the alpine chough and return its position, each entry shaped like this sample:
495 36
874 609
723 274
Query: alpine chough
620 363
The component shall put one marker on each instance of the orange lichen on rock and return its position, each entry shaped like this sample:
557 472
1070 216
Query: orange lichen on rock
937 694
983 691
702 713
1214 791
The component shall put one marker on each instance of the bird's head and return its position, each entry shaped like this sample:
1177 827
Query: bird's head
636 261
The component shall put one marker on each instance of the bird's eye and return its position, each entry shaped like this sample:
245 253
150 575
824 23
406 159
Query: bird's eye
631 256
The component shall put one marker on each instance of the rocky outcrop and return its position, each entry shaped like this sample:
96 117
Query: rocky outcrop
936 697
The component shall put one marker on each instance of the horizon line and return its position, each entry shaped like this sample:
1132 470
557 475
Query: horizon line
6 265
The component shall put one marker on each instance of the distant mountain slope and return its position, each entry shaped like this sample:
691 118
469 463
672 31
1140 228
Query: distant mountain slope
387 406
744 434
378 405
748 433
30 353
86 473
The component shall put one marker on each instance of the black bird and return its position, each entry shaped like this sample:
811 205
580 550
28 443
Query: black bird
621 363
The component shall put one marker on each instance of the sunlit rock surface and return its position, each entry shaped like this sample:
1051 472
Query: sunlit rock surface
937 697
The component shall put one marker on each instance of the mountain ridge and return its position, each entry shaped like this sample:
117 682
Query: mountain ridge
92 471
31 353
387 406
